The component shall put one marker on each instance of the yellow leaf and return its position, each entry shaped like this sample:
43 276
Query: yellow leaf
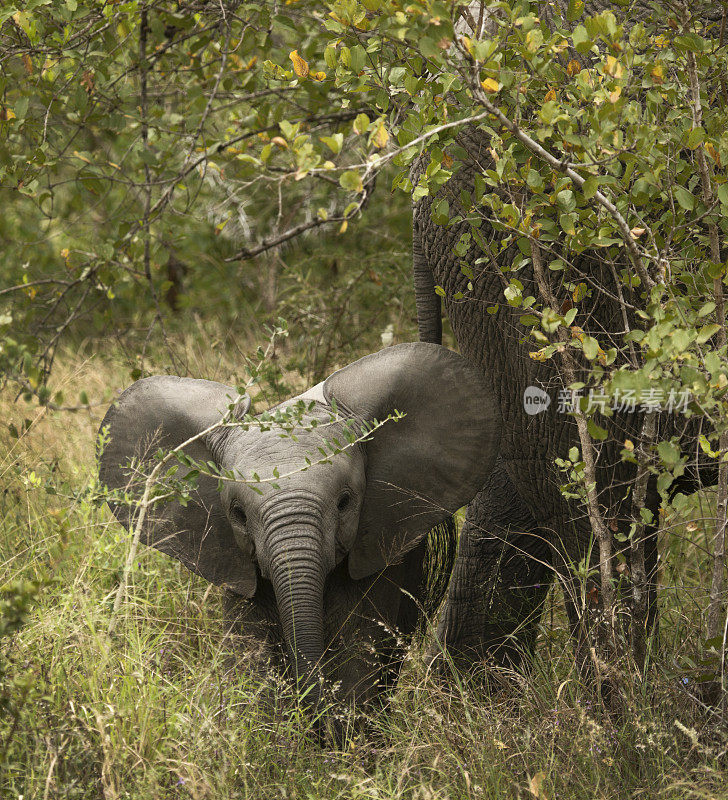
447 161
661 41
637 232
628 445
300 66
83 158
579 292
8 114
28 61
573 68
550 95
712 152
539 355
490 85
318 76
614 96
280 141
381 136
65 252
613 68
344 226
658 73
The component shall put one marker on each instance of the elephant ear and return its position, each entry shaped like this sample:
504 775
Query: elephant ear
425 466
164 411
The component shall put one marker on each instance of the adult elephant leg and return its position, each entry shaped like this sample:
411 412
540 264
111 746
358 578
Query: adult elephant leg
500 580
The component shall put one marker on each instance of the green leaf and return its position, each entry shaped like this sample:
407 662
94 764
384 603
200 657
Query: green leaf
575 10
534 181
591 347
361 124
581 39
669 453
696 137
706 332
590 187
351 180
441 213
684 198
595 431
691 41
334 142
565 199
567 222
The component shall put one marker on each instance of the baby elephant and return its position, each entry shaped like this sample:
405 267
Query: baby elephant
317 553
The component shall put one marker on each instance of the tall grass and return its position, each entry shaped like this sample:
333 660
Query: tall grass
160 711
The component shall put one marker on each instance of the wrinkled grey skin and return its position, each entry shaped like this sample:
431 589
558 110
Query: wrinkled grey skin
519 530
317 560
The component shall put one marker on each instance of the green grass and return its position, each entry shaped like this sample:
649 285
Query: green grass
158 711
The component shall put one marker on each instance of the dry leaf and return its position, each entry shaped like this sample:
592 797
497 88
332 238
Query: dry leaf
280 141
637 232
573 68
658 73
28 61
535 786
550 95
87 81
300 66
490 85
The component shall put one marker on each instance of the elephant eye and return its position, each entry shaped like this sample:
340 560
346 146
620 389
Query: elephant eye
344 501
238 514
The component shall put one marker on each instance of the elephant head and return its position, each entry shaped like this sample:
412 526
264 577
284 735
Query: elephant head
369 503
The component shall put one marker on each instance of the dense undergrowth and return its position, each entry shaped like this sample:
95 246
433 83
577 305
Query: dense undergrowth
156 712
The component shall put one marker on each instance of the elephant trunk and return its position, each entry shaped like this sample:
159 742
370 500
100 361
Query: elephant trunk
297 575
